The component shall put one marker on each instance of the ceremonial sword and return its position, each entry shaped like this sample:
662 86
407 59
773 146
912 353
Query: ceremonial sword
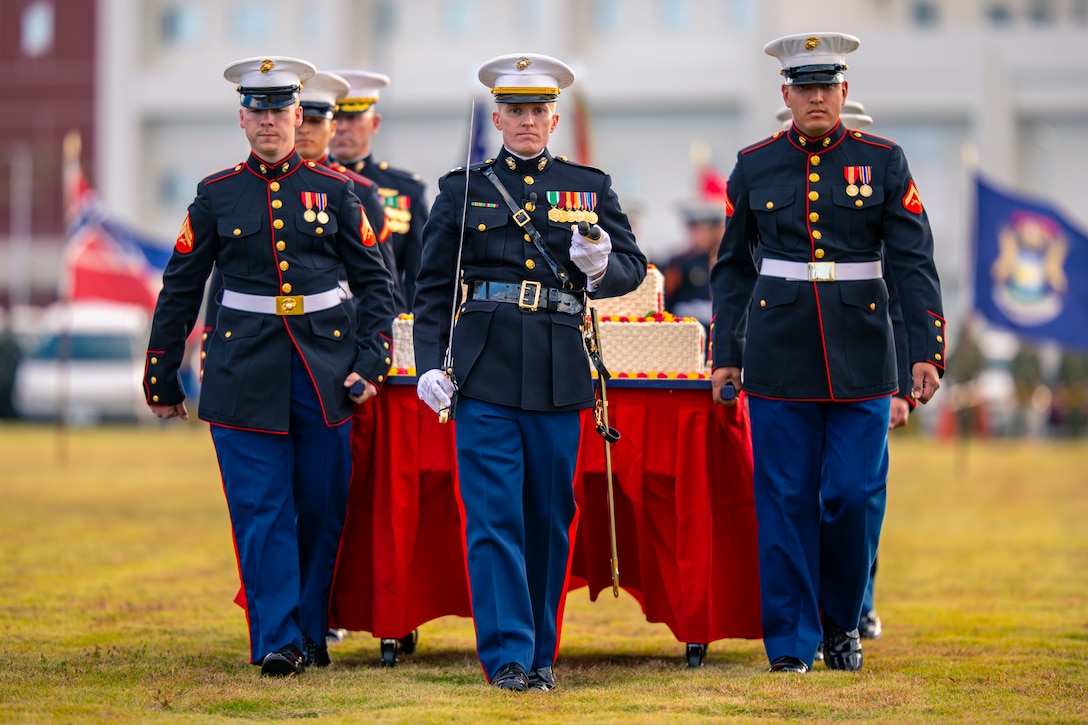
600 410
449 412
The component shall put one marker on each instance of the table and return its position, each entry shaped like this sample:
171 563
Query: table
684 509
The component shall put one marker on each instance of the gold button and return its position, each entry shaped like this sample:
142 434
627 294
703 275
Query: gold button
816 234
381 378
819 254
937 323
336 333
814 217
203 355
154 361
385 345
763 303
154 398
857 134
814 160
388 361
284 265
278 224
482 228
872 305
940 339
814 177
529 180
813 196
281 245
528 239
530 264
204 336
770 205
530 206
274 186
154 380
228 333
286 288
237 232
937 356
238 167
276 203
858 202
319 230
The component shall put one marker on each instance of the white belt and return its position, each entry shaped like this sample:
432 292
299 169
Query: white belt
283 304
821 271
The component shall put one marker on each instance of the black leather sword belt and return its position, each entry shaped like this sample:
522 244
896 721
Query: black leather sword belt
530 296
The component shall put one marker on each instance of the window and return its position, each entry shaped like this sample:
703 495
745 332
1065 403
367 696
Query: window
180 25
924 14
676 15
250 21
1041 12
385 19
607 15
85 346
999 14
1080 12
36 36
459 17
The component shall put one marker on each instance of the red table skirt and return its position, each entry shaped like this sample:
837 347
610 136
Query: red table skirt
685 516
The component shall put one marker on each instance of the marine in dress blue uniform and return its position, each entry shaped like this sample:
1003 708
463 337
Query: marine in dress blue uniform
281 357
801 304
318 100
853 117
518 359
402 192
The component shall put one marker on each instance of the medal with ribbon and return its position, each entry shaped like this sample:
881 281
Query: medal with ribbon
851 174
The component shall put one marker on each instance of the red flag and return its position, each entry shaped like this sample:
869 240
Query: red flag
103 259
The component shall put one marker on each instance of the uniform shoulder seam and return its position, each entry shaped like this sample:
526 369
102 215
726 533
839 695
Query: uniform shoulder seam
569 162
223 174
765 142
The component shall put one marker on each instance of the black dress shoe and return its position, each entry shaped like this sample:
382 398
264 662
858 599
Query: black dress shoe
283 662
511 676
789 664
314 654
870 626
842 649
541 679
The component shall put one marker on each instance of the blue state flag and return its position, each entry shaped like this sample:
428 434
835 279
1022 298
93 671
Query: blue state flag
1031 268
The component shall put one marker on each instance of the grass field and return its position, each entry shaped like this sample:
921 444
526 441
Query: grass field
117 574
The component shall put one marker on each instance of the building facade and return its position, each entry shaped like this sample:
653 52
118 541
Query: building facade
998 85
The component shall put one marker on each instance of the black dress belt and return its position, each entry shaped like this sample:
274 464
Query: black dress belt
530 296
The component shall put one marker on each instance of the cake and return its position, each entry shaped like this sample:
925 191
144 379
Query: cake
658 345
639 339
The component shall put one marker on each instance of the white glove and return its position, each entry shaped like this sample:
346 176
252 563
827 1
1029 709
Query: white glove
590 257
435 389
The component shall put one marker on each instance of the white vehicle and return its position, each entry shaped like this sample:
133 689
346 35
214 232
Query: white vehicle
85 366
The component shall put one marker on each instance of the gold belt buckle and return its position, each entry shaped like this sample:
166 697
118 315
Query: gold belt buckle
821 271
529 289
289 305
521 217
